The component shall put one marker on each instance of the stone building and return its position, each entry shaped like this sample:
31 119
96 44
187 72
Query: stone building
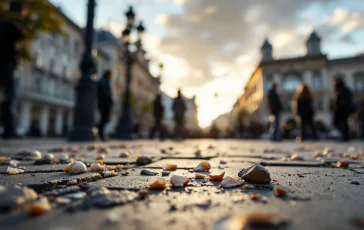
46 85
314 69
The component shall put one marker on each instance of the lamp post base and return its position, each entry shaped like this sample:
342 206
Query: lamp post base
125 129
81 134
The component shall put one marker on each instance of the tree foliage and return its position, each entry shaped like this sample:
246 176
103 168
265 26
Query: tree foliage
41 16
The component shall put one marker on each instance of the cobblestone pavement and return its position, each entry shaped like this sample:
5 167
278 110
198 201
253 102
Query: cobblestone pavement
320 194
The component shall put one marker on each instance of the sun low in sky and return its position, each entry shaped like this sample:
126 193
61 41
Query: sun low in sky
212 46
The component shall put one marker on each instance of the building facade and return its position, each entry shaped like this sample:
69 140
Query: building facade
45 86
314 69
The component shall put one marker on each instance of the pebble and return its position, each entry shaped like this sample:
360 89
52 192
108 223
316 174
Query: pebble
148 173
255 174
165 173
143 160
355 182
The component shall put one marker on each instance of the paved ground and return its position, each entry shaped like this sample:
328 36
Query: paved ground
320 195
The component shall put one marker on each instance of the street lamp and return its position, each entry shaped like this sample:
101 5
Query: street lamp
125 128
83 121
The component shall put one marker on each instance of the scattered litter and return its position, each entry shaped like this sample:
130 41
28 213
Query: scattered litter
255 174
143 193
14 171
100 156
35 154
179 181
170 167
295 157
342 164
125 154
199 176
49 156
204 166
110 174
115 168
317 154
219 177
5 160
157 183
279 191
76 167
229 182
98 166
39 207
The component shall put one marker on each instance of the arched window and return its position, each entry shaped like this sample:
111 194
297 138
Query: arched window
291 83
359 82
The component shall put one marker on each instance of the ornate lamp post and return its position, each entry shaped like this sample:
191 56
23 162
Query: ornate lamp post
85 90
125 128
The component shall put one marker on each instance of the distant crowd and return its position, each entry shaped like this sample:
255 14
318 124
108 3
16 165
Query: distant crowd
342 107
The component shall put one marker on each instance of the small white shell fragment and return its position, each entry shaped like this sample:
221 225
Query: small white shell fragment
39 207
125 154
14 171
100 156
14 162
76 167
76 196
98 166
62 200
49 156
229 182
179 181
35 154
204 166
110 174
63 157
295 157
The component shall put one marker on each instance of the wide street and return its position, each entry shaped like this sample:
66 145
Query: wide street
320 195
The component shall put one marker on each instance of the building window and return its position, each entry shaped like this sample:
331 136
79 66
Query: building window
291 83
268 83
51 66
77 46
359 82
317 81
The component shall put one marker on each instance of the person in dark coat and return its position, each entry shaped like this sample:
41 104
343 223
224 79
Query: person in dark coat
179 109
343 108
158 112
275 107
361 118
11 34
302 106
105 101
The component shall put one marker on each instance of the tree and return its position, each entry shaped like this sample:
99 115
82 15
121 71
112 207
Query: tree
41 16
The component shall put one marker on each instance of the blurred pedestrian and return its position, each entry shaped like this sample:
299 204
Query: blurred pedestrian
179 109
11 34
302 106
361 118
275 107
158 112
105 101
344 106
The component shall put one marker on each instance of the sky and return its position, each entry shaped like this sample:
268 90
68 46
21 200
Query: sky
210 47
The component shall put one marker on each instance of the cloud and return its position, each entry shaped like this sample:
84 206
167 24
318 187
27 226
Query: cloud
346 20
162 19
